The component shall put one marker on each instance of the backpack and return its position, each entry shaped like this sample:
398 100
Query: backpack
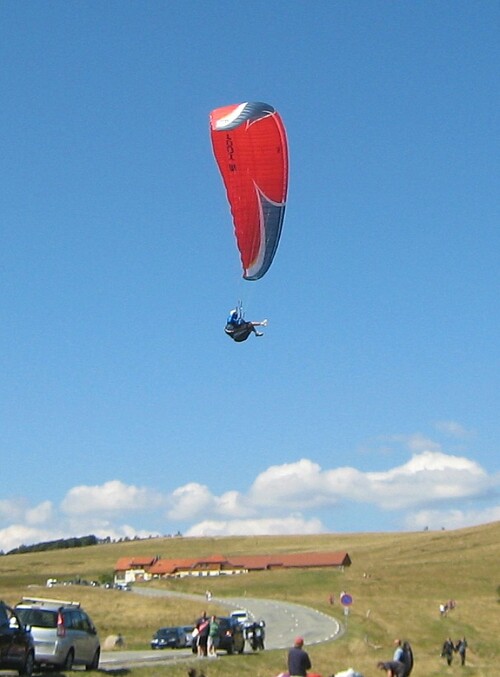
407 658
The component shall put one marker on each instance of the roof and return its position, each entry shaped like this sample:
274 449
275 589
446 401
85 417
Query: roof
213 559
46 603
303 559
126 563
160 567
316 559
170 566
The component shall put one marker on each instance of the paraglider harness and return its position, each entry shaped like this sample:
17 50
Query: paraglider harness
236 326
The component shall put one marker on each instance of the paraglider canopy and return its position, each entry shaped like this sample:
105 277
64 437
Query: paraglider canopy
250 147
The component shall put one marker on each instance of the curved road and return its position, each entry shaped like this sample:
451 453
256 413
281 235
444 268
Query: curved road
284 621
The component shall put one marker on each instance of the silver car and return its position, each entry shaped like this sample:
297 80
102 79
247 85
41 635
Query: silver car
63 633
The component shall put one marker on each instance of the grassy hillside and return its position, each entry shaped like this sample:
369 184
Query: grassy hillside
397 582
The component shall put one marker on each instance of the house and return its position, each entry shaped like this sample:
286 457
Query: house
132 569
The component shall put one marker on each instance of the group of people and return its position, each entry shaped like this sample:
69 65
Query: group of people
400 666
446 606
449 648
206 635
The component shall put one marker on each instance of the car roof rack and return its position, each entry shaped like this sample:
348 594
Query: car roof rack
46 600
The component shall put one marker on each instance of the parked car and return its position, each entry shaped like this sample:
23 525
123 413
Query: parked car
231 636
63 633
171 638
188 630
241 615
17 650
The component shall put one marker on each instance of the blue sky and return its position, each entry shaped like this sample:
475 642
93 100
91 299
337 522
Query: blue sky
372 402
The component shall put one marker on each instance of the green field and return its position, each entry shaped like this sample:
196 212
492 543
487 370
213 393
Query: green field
397 581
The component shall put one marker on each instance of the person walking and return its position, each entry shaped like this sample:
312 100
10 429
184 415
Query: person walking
298 659
461 649
447 650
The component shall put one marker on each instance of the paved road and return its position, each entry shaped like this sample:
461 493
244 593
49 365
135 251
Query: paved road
284 621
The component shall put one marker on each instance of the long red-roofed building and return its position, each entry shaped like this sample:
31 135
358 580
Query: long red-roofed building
128 570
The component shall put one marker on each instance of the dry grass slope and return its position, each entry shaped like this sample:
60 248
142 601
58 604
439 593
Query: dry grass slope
397 581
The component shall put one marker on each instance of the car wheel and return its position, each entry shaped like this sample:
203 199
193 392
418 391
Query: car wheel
28 667
95 661
68 663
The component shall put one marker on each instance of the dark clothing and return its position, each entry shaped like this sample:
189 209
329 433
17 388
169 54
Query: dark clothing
255 634
461 648
397 668
239 332
203 626
447 651
298 662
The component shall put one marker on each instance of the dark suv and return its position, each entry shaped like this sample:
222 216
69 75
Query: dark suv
17 651
231 636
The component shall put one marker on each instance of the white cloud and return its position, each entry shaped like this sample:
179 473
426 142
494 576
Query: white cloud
189 501
428 477
13 510
41 514
426 490
102 527
420 443
302 484
234 504
20 534
110 497
294 524
452 429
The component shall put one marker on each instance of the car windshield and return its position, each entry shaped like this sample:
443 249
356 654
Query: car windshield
38 618
165 633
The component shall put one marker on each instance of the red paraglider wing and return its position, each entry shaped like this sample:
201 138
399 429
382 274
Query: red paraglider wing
249 143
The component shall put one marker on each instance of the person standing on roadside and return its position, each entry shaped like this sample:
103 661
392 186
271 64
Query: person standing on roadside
298 659
202 625
213 636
